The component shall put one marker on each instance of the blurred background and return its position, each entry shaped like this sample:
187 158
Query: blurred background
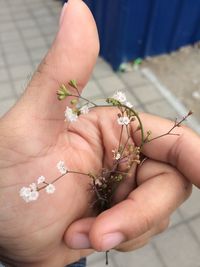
150 49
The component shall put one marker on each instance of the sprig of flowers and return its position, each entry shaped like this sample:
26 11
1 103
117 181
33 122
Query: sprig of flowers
31 192
103 184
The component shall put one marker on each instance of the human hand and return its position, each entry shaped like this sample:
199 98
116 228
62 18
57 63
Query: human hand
33 138
163 184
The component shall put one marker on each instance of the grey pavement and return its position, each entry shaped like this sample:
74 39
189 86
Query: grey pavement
27 29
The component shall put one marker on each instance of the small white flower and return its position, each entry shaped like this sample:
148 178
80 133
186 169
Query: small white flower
98 182
50 189
123 120
25 191
128 104
40 180
61 167
117 156
120 96
28 194
33 196
70 115
84 109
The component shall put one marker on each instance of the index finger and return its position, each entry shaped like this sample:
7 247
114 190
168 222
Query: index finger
181 151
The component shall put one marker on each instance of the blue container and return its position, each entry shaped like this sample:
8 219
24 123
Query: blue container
129 29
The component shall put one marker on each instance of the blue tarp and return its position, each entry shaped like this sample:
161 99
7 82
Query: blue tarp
130 29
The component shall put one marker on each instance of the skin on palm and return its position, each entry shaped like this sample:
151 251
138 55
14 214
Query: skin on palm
33 139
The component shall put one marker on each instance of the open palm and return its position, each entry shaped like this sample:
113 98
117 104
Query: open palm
34 137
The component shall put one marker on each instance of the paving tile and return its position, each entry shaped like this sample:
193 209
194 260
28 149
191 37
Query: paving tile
21 14
46 21
2 62
10 36
31 32
20 85
49 29
102 69
5 17
97 259
143 257
175 218
21 58
146 93
195 226
131 98
5 105
162 108
140 108
92 90
36 42
11 47
49 39
111 83
7 26
38 53
41 12
177 248
26 23
21 71
4 77
190 208
6 90
133 78
4 8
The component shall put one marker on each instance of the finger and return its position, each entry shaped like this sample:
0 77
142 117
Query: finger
152 202
161 189
144 239
181 151
77 235
72 56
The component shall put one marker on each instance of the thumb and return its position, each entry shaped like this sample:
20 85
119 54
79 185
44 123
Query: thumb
71 56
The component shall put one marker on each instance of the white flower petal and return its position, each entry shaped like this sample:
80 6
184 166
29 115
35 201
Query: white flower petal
70 115
128 104
120 96
84 109
25 191
118 156
40 180
33 196
28 195
50 189
123 120
61 167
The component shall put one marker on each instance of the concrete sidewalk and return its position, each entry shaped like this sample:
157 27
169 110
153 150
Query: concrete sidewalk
27 29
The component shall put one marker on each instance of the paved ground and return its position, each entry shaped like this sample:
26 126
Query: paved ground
180 72
26 31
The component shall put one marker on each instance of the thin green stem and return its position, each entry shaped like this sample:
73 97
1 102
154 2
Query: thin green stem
136 115
85 99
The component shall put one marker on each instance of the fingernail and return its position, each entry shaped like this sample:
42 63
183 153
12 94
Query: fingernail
80 241
110 241
62 14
